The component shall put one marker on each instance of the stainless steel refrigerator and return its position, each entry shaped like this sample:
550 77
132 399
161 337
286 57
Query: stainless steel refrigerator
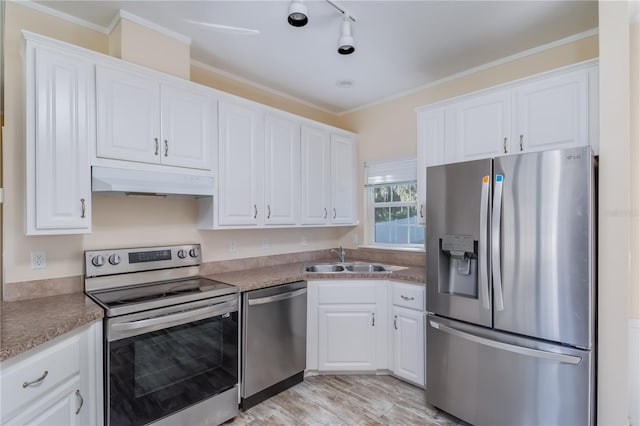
510 248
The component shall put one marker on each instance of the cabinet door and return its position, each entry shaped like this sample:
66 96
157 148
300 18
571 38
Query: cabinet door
347 337
316 175
60 127
343 180
240 165
282 171
188 127
482 126
59 408
552 113
408 344
128 114
430 149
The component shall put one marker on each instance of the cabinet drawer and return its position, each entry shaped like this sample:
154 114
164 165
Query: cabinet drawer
408 296
347 292
60 362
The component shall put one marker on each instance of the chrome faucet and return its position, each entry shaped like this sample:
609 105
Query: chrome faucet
341 254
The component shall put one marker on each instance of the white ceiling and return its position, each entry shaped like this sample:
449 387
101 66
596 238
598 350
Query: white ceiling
400 45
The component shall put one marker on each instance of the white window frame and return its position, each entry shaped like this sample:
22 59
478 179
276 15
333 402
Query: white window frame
401 171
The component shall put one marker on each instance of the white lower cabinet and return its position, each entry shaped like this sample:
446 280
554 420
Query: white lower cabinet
407 332
408 344
57 383
346 328
347 337
366 325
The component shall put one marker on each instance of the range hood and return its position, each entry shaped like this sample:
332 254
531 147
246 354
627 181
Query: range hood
141 182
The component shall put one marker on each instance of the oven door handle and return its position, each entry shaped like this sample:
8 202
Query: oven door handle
171 320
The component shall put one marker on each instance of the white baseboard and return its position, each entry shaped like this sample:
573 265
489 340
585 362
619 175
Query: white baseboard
634 372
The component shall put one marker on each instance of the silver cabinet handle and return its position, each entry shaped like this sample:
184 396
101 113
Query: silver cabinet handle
268 211
504 145
255 211
421 210
521 145
157 146
483 253
395 322
37 381
334 213
403 297
81 401
373 319
166 148
495 243
538 353
83 208
277 297
325 212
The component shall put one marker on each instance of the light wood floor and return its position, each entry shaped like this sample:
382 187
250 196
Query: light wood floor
346 400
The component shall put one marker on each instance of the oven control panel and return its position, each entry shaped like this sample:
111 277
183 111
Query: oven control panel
121 261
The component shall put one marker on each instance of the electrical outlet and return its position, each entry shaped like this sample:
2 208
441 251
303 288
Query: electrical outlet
304 242
354 239
38 259
266 243
232 246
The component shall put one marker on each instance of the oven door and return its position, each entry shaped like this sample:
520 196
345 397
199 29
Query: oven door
162 361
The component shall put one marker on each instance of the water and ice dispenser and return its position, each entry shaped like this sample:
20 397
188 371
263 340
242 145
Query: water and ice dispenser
458 265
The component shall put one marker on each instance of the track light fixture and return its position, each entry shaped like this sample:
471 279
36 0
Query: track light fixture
346 42
298 15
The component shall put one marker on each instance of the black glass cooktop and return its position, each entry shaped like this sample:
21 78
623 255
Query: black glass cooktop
153 295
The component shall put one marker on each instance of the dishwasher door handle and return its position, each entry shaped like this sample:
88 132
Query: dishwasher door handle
277 297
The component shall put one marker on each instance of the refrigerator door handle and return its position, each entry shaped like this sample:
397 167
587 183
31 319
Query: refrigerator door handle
537 353
495 243
482 244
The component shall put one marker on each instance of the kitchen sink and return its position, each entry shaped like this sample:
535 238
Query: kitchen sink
366 267
324 268
357 267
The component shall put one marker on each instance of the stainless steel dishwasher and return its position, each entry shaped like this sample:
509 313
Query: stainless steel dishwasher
274 341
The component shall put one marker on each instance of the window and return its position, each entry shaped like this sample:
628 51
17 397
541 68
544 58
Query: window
391 204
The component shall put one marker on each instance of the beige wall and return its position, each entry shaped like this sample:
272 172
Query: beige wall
615 240
634 288
390 129
148 47
229 85
117 221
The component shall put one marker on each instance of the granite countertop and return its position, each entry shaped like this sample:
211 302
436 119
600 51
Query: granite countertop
26 324
253 279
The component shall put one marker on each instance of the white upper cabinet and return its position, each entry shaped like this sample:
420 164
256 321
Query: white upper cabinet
143 120
552 113
482 126
316 176
433 141
241 165
189 127
60 128
343 179
328 178
128 111
282 171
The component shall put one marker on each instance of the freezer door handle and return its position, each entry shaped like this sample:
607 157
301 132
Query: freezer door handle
495 243
482 244
537 353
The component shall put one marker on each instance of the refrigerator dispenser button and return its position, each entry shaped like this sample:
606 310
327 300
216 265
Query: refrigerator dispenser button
458 243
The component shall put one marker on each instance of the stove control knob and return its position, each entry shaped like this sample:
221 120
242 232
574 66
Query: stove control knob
98 260
182 253
114 259
193 252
